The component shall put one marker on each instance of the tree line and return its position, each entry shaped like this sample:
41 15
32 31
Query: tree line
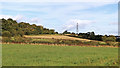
92 36
11 28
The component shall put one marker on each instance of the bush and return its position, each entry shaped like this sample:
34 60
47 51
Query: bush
87 42
27 40
109 39
18 39
71 42
6 39
112 43
6 34
102 43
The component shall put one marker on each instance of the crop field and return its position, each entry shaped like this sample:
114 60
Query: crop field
55 37
46 55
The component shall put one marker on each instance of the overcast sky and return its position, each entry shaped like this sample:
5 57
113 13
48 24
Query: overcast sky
100 17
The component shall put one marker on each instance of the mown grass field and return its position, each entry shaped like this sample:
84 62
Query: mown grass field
55 37
44 55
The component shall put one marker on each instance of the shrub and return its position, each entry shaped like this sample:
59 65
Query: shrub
112 43
102 43
6 34
86 42
6 39
18 39
27 40
94 43
109 39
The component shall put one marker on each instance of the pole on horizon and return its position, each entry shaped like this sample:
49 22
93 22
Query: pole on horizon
77 28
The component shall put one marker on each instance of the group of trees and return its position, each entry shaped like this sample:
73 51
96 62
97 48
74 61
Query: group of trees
92 36
11 28
109 38
88 35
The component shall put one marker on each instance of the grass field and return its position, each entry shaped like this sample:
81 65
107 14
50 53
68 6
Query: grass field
44 55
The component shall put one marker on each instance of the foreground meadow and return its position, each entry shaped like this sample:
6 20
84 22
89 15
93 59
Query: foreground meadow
44 55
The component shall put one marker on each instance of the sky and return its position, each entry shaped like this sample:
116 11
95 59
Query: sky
100 17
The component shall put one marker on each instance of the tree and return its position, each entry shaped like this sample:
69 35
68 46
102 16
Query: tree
110 38
92 35
22 28
6 34
98 37
73 34
52 31
6 39
40 29
66 32
56 32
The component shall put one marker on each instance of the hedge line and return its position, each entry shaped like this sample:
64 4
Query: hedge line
56 41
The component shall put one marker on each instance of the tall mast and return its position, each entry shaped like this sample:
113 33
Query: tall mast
77 28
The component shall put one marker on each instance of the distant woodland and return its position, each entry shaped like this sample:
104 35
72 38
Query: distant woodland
12 28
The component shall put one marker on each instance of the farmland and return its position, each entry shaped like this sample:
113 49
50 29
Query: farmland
44 55
62 39
59 34
55 37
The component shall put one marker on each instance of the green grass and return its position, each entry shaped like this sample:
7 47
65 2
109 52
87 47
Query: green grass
44 55
44 40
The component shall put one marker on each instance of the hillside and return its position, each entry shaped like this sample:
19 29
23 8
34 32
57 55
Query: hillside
22 32
11 28
62 39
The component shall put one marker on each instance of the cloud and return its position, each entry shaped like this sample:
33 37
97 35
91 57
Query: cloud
23 6
71 24
36 21
113 32
113 23
18 18
5 16
59 0
54 10
21 18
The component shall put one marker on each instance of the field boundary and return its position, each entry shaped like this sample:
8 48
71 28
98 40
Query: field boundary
63 45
